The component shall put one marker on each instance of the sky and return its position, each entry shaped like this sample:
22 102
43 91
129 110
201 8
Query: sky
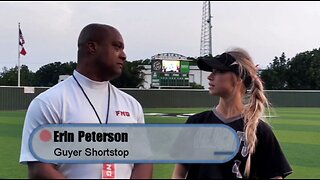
264 29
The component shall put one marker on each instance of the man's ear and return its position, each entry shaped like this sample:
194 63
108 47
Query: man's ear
92 47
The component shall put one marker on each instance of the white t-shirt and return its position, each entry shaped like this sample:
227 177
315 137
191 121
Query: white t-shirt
66 103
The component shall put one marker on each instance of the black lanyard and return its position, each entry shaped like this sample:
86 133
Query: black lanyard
92 104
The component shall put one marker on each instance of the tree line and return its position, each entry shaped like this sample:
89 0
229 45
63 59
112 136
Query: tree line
48 75
301 72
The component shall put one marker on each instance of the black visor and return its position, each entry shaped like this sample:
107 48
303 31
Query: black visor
223 62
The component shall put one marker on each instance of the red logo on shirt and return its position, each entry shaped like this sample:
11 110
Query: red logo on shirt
122 113
108 171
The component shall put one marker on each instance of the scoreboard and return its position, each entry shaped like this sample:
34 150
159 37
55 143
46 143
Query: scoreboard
170 70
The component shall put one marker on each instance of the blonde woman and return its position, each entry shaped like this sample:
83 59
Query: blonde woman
241 106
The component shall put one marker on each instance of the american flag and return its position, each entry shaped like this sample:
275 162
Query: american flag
21 43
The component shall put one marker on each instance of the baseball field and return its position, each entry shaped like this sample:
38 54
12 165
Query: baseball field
297 129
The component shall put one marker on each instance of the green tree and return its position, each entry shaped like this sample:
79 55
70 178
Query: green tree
9 77
143 62
132 75
304 70
275 76
48 75
299 72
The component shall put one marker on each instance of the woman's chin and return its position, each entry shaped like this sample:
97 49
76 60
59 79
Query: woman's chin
213 92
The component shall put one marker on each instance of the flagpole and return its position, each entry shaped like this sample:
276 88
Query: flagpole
19 55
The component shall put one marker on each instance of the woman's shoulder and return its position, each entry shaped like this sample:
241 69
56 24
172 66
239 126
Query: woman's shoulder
265 133
200 117
264 127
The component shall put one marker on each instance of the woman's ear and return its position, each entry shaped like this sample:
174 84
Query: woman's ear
238 81
242 86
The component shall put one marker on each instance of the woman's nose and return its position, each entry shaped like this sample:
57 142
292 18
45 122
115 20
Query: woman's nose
211 76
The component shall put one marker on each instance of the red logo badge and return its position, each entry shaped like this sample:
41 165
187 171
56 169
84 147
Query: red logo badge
108 171
122 113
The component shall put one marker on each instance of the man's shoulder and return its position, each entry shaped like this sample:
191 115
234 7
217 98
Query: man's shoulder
125 96
56 91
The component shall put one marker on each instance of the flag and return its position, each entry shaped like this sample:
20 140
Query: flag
23 51
21 43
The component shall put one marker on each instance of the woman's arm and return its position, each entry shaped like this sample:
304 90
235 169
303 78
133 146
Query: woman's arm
180 172
277 177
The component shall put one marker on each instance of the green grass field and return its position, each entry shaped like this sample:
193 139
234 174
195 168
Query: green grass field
297 129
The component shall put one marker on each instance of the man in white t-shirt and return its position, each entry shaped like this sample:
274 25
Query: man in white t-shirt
86 97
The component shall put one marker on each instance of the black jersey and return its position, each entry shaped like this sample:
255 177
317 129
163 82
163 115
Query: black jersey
268 161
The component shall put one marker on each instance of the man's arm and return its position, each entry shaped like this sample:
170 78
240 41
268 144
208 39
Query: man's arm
142 171
38 170
38 113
